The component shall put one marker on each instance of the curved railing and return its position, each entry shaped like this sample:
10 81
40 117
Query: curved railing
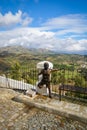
27 77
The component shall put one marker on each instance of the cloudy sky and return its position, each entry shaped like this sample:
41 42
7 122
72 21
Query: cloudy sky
51 24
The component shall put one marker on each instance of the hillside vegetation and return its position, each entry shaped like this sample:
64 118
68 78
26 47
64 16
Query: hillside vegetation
30 57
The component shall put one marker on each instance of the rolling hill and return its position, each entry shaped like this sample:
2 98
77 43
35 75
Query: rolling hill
30 57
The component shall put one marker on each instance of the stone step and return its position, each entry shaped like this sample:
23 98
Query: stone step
65 109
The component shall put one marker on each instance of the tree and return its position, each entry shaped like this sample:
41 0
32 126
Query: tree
27 77
79 81
15 71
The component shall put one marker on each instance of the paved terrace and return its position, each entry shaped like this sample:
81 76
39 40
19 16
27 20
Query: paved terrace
62 108
15 115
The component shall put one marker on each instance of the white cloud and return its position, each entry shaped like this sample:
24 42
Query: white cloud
72 23
68 28
34 38
9 19
67 21
29 37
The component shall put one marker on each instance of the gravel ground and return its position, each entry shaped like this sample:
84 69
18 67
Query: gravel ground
47 121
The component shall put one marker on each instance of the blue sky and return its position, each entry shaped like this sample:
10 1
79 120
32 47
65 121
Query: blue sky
50 24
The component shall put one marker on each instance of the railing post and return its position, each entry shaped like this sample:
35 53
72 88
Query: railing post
59 93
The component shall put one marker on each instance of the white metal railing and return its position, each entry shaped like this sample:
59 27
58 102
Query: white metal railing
14 84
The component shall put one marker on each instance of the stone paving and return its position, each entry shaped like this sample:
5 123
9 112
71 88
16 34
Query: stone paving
17 116
62 108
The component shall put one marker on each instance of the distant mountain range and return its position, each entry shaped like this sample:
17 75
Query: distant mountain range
13 49
22 50
72 52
